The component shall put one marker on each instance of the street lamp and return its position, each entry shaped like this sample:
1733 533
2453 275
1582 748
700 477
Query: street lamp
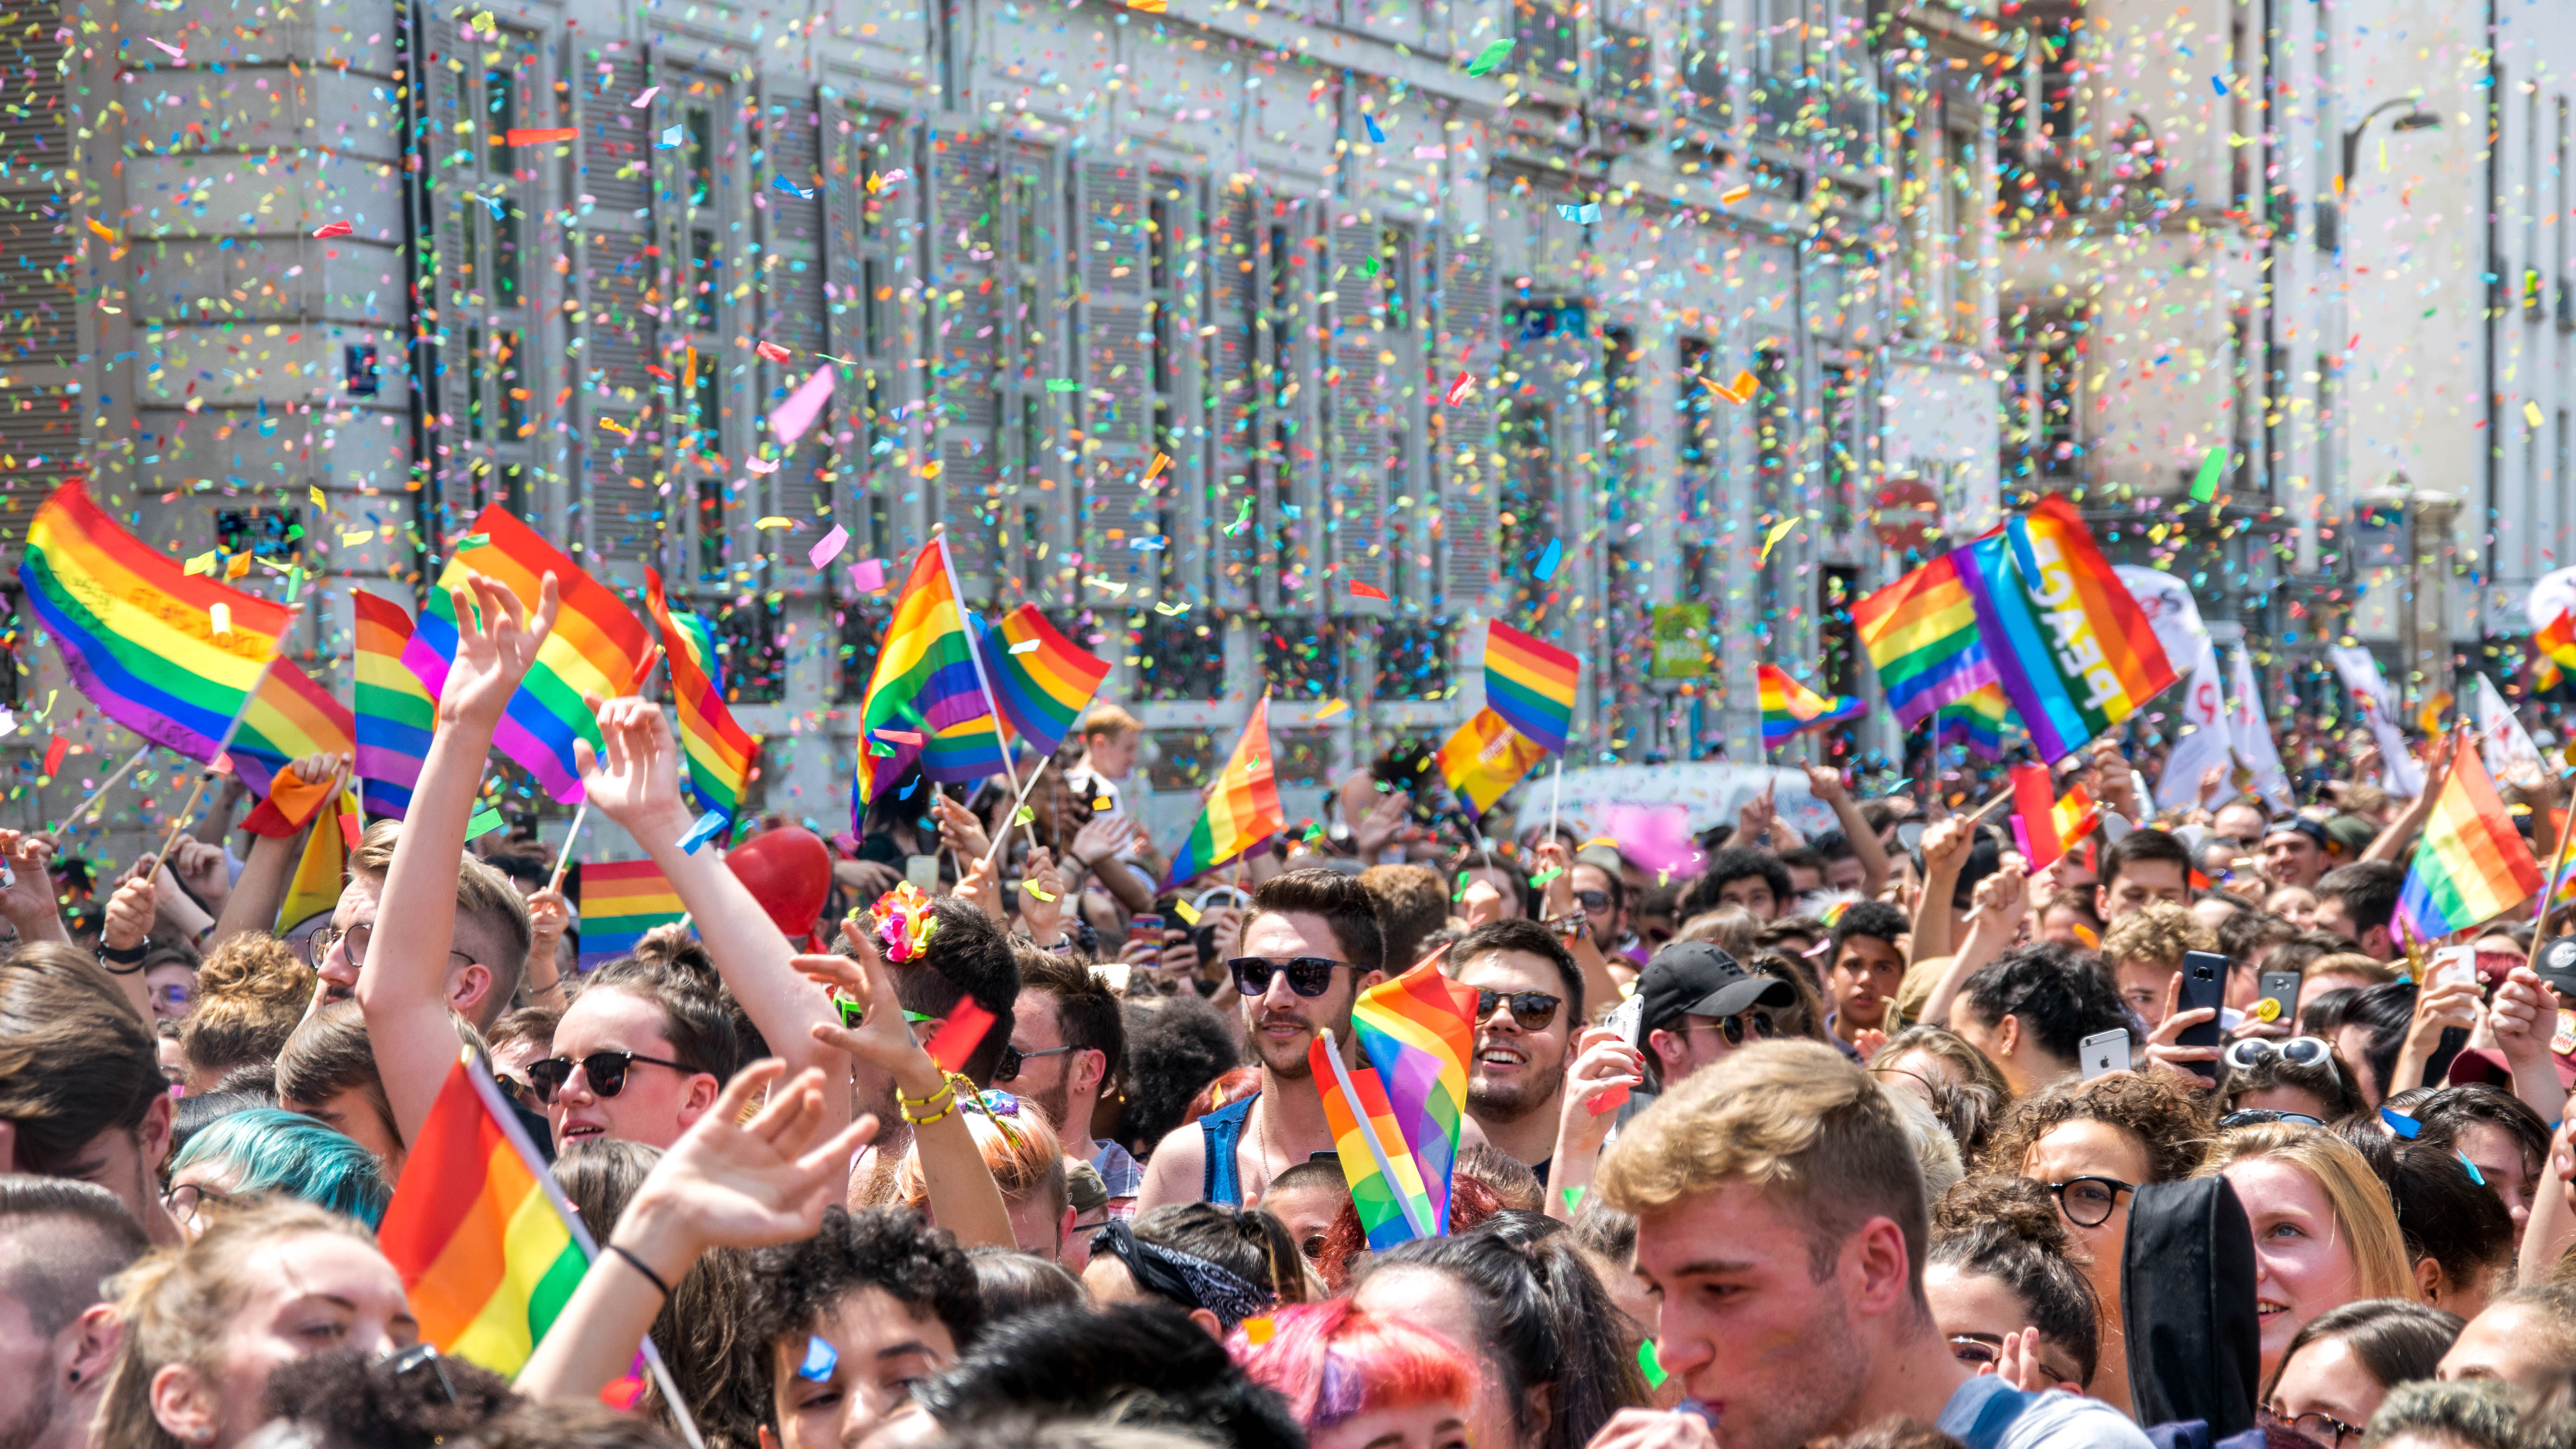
2330 213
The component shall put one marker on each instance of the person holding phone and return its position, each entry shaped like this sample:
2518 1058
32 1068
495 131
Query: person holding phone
2144 951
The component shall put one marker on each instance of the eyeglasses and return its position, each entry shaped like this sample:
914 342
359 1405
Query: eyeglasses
317 947
606 1072
1007 1069
2088 1201
188 1199
176 992
2321 1429
1531 1010
2247 1053
409 1361
1593 900
1307 975
2257 1116
1732 1027
1986 1349
1312 1247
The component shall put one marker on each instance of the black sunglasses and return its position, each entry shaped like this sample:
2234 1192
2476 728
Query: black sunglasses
1007 1069
1307 975
1593 900
2088 1201
2257 1116
606 1071
1732 1027
1531 1010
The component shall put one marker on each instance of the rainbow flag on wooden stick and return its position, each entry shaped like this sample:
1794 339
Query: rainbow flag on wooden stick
488 1249
1040 680
1387 1187
719 751
1790 708
1418 1031
1921 634
2073 650
1531 684
598 647
2471 865
620 901
173 656
927 699
395 713
1242 811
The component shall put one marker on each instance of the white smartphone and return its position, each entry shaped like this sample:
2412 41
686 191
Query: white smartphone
1628 1018
2102 1052
922 871
2454 963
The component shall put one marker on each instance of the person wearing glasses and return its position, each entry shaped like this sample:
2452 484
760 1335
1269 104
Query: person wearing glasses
1068 1044
2301 1079
1529 1007
2091 1145
1999 1267
1310 945
643 1051
2325 1233
265 1150
2342 1365
1700 1006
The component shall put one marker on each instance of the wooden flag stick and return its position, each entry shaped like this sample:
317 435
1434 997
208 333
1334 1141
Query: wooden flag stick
82 810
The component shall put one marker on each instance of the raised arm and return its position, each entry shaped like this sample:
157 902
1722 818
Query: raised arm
1996 907
1945 853
261 891
28 901
1600 988
402 986
636 783
1826 784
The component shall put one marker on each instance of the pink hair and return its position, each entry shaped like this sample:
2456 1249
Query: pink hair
1330 1361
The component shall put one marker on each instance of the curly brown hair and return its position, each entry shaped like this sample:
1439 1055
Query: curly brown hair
2168 1119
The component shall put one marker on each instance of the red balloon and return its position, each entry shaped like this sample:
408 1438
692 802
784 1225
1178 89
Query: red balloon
789 871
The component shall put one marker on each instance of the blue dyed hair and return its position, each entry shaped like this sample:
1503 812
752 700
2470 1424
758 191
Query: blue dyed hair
278 1151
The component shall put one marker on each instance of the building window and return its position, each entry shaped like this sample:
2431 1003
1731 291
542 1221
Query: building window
1413 659
1544 40
1178 657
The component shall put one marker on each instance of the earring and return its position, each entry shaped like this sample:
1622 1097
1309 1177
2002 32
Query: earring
75 1375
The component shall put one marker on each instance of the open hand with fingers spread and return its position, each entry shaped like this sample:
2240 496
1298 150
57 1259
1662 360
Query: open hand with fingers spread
497 640
732 1183
634 777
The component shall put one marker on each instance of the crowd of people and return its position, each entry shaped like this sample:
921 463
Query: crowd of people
1881 1138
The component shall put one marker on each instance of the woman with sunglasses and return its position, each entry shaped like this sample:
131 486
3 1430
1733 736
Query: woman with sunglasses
2300 1080
2324 1232
2092 1145
642 1051
2342 1365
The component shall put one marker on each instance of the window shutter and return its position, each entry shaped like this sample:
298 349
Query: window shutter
40 422
1470 465
1233 399
1355 487
619 286
792 299
967 346
1116 406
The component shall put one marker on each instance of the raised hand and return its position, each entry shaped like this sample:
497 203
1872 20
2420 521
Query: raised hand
2112 783
496 645
1553 861
2524 1015
1946 844
1603 1066
881 1038
634 779
130 913
28 901
549 916
959 830
202 870
728 1183
1042 897
2165 1053
1384 821
1826 784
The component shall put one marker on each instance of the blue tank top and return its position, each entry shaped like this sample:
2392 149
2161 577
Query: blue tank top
1223 1131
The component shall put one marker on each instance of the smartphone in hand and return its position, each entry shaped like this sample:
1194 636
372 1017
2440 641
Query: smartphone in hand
2204 985
2104 1052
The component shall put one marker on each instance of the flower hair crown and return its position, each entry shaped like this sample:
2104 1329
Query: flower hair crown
903 920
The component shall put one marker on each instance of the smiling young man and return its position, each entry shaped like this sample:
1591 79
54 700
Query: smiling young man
1781 1228
1867 968
845 1322
1529 1008
1310 945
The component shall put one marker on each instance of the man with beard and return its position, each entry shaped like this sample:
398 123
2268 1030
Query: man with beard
59 1240
1310 945
1067 1044
1529 1008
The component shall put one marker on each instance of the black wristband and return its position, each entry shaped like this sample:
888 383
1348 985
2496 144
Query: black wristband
641 1267
131 957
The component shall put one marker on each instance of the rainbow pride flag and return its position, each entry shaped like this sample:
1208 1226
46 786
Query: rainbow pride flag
1921 634
2470 865
319 870
2074 652
598 646
170 655
620 901
488 1250
396 715
1242 811
1486 757
1531 685
1977 720
1379 1195
2557 639
1040 680
1418 1031
1790 708
718 749
928 699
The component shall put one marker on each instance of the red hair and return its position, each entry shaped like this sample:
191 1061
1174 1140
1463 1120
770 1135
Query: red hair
1330 1361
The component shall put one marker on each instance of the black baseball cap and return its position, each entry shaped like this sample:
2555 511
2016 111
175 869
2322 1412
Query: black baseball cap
2301 825
2556 964
1694 978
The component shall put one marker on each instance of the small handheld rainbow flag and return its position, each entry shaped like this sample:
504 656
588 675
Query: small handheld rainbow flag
315 887
2073 650
488 1250
396 715
598 646
2045 824
1486 757
718 749
1387 1188
1921 634
2471 865
620 901
1419 1032
173 656
927 698
1790 708
1531 684
1040 680
1977 720
1242 811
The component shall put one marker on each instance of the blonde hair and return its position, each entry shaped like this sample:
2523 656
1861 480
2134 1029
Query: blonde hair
2363 1216
1796 1120
2158 933
176 1302
1026 1157
1109 719
2349 963
250 994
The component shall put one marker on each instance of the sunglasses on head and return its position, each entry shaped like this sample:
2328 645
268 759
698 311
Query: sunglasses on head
2257 1116
606 1072
1531 1010
1307 975
2247 1053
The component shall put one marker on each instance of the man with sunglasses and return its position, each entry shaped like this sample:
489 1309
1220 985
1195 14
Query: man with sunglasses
1529 1009
1700 1005
1068 1041
1311 943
